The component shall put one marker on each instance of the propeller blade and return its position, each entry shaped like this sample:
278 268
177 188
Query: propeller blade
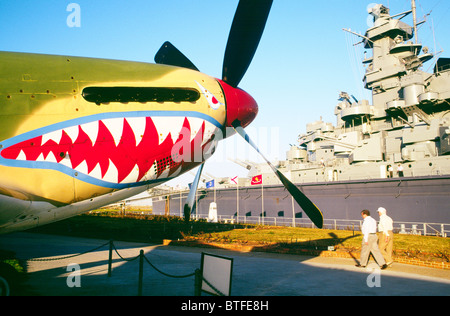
191 196
306 204
170 55
246 31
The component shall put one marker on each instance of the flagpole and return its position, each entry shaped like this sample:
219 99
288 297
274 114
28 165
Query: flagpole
255 181
237 199
262 199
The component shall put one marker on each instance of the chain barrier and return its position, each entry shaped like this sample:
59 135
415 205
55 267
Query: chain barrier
67 257
117 252
169 275
141 255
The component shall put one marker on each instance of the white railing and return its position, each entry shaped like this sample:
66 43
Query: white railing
414 228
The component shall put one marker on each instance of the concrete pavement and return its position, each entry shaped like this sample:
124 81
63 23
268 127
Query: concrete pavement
254 274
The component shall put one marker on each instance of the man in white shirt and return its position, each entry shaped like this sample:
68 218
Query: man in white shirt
369 243
386 237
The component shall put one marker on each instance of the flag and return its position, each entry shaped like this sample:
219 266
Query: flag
210 184
235 180
257 180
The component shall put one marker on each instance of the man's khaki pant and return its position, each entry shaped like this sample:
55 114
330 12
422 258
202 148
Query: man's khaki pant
386 246
372 246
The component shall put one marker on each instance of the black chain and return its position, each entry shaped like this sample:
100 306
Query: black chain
67 257
169 275
131 259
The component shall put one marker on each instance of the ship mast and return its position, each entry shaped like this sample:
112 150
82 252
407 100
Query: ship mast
413 7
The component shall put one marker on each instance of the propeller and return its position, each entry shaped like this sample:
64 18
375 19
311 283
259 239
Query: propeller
246 31
306 204
245 34
170 55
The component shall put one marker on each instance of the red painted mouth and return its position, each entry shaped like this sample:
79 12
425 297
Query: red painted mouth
120 150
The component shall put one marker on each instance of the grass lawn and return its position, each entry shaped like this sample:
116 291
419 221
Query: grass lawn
326 237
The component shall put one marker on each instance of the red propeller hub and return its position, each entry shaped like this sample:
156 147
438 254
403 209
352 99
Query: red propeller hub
240 105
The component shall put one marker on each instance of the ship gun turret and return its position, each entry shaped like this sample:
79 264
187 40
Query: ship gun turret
408 119
406 125
410 105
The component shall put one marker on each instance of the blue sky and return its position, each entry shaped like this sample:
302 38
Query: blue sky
304 59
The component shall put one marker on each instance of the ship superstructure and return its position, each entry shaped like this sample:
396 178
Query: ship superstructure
403 132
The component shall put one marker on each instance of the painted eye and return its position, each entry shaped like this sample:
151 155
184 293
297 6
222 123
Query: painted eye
212 100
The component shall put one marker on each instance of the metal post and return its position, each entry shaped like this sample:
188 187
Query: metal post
262 200
198 283
196 203
110 258
293 211
237 199
141 271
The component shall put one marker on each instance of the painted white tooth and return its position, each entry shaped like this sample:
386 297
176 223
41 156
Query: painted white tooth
40 157
132 176
66 161
151 174
96 172
177 125
91 129
162 125
138 125
50 157
21 156
209 132
177 172
115 127
55 136
166 125
72 132
112 174
164 174
196 125
82 167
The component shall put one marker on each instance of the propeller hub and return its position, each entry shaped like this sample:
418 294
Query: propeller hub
241 107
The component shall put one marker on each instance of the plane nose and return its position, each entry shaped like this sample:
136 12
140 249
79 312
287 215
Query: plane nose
241 107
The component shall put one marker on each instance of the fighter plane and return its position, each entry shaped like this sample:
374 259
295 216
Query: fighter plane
80 133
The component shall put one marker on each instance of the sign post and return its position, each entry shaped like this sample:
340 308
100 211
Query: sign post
216 272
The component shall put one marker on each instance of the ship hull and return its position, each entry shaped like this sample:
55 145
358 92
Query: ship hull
415 199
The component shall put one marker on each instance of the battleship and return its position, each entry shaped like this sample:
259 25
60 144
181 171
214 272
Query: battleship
392 152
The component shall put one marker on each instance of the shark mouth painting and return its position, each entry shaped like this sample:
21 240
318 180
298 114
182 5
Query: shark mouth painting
115 151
